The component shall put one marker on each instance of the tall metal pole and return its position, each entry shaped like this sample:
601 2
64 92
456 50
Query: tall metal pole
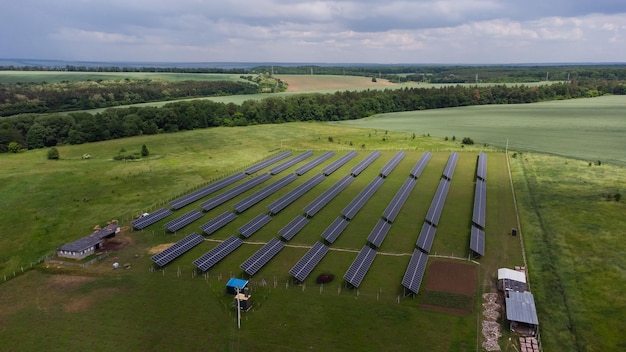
238 309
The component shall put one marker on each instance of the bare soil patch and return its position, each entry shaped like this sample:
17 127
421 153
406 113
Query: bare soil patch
84 302
160 248
450 287
308 83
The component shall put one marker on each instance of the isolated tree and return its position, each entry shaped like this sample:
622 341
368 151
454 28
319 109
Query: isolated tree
144 150
13 147
53 154
467 141
453 138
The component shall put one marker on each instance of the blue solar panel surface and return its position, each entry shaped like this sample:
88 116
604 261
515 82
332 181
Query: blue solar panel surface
254 225
282 202
359 201
313 163
287 164
212 257
481 170
293 227
426 237
414 274
379 232
477 240
263 193
392 210
448 171
265 163
339 163
309 261
205 191
391 164
234 192
323 199
360 167
150 219
183 220
218 222
436 206
178 249
262 256
359 267
416 171
335 229
480 203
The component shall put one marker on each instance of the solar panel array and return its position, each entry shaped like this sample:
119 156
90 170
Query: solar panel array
339 163
178 249
436 206
477 240
183 220
426 237
415 271
262 256
379 232
150 219
293 227
234 192
359 267
480 202
323 199
391 164
263 193
267 162
392 210
282 202
481 170
335 229
359 201
365 163
212 257
309 261
448 171
218 222
205 191
287 164
313 163
420 165
254 225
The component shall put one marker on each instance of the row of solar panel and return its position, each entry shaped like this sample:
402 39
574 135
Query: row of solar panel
481 169
282 202
448 171
151 218
234 192
334 166
177 249
183 220
263 193
267 162
436 206
480 202
205 191
391 164
361 166
313 163
293 161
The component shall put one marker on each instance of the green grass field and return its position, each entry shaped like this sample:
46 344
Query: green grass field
55 77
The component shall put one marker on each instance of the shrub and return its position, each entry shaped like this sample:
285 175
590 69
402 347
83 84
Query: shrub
53 154
324 278
467 141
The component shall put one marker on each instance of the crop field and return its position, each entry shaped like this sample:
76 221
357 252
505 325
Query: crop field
55 77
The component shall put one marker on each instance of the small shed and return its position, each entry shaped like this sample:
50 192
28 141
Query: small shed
233 285
89 244
511 280
522 313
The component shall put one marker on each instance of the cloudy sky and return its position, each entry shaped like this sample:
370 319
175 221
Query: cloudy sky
338 31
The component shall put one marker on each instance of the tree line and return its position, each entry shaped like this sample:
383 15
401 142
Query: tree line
37 131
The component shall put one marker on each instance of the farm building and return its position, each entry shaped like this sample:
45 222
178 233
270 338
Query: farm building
521 313
511 280
88 245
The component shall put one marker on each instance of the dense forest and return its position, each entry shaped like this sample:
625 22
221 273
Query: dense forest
37 131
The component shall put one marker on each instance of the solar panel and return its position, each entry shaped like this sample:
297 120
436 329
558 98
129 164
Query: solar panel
267 162
426 237
359 201
212 257
313 163
379 232
391 164
477 241
254 225
263 193
339 163
392 210
177 249
282 202
205 191
436 206
218 222
359 267
416 171
183 220
481 170
415 271
262 256
309 261
293 227
450 165
365 163
335 229
323 199
287 164
234 192
480 203
151 218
